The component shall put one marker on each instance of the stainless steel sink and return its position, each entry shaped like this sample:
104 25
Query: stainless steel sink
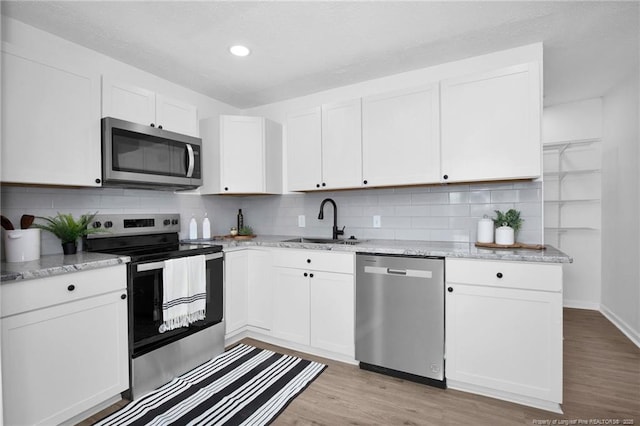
319 241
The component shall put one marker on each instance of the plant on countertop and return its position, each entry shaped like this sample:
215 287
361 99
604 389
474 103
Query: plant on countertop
511 218
245 230
65 227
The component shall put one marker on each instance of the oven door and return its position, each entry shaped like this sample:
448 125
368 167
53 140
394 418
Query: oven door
145 304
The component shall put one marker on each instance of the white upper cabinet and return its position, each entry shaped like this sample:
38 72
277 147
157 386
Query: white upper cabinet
177 116
324 147
400 137
491 125
342 145
243 155
138 105
50 122
304 150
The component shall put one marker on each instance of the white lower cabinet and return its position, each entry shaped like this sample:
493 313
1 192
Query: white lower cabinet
315 306
291 305
332 312
236 294
65 357
504 330
248 290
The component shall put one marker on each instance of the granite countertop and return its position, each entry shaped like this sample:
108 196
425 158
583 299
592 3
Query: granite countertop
57 264
412 248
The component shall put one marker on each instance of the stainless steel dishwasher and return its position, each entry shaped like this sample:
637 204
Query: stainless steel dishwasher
400 316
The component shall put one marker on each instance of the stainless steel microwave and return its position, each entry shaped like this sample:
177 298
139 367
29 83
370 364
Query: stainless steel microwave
139 156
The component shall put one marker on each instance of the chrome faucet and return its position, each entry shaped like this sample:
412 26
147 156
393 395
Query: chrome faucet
336 231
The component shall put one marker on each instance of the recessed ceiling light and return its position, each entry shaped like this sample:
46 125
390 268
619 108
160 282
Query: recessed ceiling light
239 50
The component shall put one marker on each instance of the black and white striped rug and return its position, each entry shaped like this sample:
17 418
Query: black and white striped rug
243 386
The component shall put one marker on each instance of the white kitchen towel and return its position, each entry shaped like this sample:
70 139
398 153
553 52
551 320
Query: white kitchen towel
197 287
183 292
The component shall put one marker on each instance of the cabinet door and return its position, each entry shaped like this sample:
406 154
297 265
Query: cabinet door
400 138
491 125
291 305
304 151
504 339
236 266
50 123
60 361
332 312
128 102
342 145
176 116
260 289
242 154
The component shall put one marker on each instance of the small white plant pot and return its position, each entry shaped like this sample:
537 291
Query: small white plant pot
505 235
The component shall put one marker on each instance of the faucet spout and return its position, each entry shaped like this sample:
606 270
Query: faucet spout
336 231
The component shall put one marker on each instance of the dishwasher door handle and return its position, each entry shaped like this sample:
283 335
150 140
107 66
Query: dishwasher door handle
412 273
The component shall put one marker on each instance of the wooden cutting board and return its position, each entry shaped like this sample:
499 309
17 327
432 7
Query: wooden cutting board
512 246
238 237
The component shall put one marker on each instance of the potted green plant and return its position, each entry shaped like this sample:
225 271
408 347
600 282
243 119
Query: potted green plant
507 226
65 227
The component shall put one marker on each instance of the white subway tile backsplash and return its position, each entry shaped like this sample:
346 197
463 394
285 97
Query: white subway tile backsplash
429 198
440 212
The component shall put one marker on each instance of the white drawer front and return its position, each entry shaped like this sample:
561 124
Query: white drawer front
314 260
27 295
521 275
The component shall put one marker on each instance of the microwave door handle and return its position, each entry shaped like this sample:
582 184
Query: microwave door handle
191 160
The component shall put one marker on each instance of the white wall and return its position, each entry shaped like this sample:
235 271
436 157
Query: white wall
576 121
621 208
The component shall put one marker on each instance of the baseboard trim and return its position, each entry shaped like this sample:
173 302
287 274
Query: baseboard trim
625 328
581 304
506 396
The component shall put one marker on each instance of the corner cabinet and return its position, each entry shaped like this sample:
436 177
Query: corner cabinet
491 125
324 147
138 105
504 330
401 137
64 344
50 116
244 155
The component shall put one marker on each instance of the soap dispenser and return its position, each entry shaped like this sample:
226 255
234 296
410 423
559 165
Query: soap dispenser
206 228
193 228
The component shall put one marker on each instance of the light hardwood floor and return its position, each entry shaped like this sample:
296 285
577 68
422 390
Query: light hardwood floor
601 386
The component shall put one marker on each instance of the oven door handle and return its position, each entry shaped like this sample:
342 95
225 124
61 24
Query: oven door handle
143 267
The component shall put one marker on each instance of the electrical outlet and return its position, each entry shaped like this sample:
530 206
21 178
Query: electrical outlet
301 221
377 221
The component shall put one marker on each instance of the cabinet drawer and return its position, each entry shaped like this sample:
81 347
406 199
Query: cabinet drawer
314 260
22 296
522 275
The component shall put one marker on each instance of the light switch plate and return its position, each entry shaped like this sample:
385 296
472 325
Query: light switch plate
301 221
377 222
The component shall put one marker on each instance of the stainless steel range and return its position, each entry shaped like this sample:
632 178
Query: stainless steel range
150 240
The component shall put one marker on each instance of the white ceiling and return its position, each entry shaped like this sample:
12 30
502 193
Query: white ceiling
304 47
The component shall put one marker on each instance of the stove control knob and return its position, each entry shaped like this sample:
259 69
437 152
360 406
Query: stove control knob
97 224
174 221
108 224
166 222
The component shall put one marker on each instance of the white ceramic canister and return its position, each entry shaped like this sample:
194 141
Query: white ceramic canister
505 235
22 245
485 230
